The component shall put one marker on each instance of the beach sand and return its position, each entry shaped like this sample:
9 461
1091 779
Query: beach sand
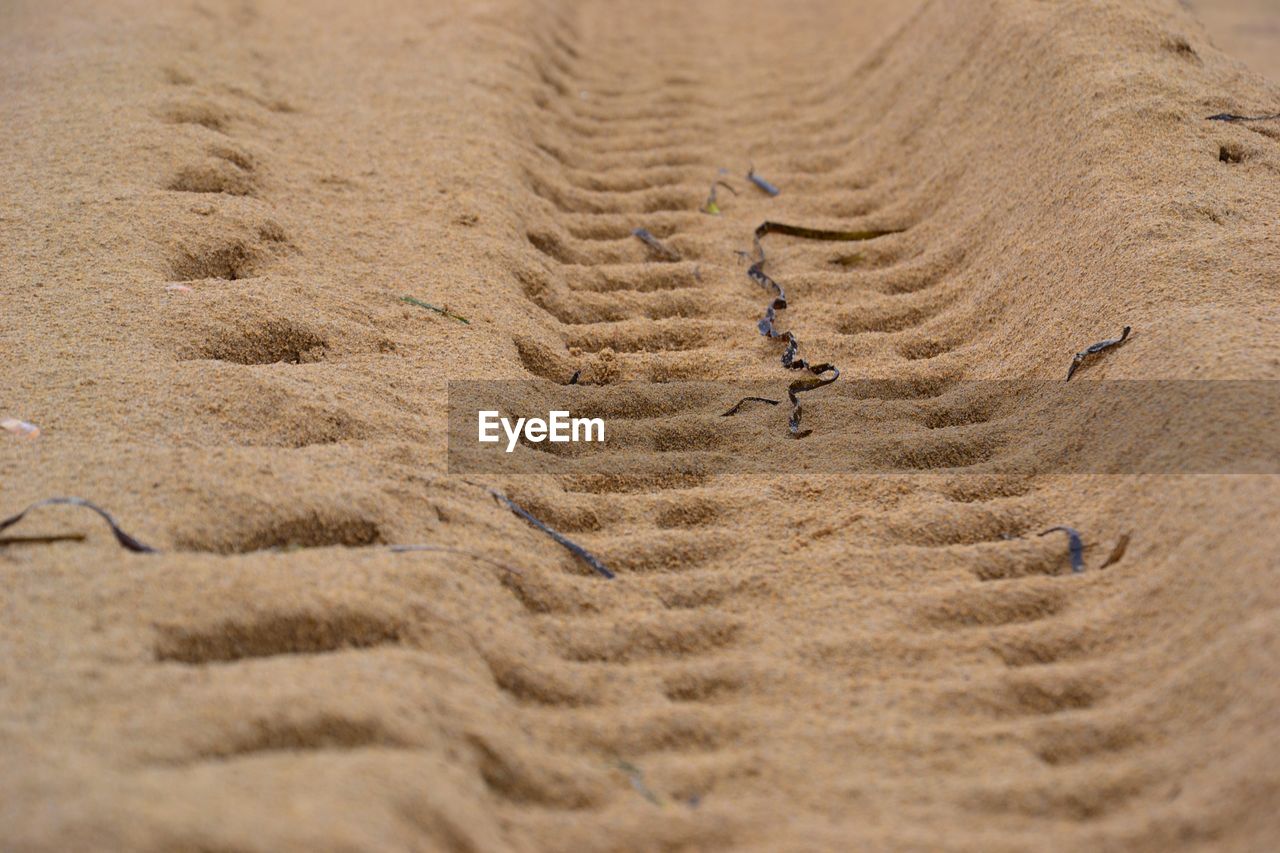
211 212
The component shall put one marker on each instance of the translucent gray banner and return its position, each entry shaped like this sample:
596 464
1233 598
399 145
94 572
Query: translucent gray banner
866 426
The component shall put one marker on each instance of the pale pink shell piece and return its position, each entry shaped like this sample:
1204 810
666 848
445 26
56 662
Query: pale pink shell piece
22 429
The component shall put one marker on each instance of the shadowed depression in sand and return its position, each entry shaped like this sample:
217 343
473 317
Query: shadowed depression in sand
212 212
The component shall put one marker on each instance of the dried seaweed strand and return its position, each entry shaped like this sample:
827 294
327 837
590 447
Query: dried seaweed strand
1076 546
125 540
824 373
1234 117
135 545
656 245
738 405
578 551
1095 348
822 233
637 781
711 206
761 182
42 540
405 549
435 308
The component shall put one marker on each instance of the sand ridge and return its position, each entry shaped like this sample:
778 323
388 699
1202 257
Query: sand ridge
800 662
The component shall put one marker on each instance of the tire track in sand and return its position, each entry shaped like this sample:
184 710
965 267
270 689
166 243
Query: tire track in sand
616 147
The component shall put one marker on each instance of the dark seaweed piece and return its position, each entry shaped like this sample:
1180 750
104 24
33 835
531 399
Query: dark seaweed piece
767 324
761 182
1095 348
821 233
578 551
1234 117
444 312
573 380
1075 545
738 405
42 540
1122 544
405 549
126 541
711 206
637 781
653 243
800 386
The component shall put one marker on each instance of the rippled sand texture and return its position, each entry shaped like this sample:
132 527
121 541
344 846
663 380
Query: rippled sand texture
807 662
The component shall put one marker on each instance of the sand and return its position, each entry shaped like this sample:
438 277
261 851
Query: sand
1248 30
822 661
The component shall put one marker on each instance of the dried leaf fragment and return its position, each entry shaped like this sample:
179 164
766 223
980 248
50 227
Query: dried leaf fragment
1117 552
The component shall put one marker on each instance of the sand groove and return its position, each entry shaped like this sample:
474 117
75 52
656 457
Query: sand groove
589 200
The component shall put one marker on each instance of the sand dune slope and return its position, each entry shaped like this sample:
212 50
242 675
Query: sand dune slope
212 213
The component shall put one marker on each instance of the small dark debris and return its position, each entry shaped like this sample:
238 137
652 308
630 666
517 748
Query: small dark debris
1232 117
821 233
637 781
445 312
126 541
578 551
659 249
761 182
1180 45
1075 545
42 540
711 206
1095 348
1117 552
573 380
738 405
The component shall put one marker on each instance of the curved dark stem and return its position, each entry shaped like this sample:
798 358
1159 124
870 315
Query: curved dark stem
1074 544
126 541
578 551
